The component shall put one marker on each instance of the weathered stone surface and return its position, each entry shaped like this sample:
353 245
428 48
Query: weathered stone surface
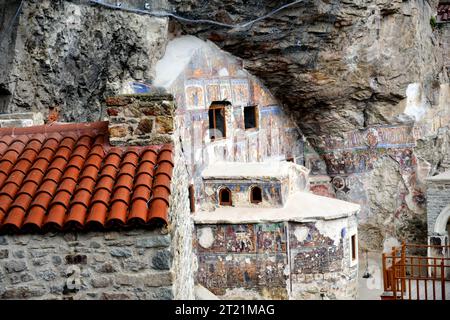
106 268
23 292
121 252
20 254
76 67
3 241
47 275
118 131
153 242
133 264
56 260
4 253
15 266
101 282
158 279
164 124
164 293
162 260
145 126
95 245
115 296
20 278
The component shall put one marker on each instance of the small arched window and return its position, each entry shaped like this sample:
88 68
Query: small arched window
256 195
225 197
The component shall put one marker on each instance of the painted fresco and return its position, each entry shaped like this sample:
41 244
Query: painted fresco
240 238
213 75
195 98
212 91
271 238
250 256
241 92
349 161
316 253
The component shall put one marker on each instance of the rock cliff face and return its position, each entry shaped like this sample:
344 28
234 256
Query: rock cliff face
364 79
366 83
72 54
338 65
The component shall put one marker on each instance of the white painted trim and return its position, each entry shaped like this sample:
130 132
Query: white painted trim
440 225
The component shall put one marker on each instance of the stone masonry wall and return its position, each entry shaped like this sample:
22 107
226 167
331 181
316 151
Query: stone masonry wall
145 119
438 197
95 265
184 262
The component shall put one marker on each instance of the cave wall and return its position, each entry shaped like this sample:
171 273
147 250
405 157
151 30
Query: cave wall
72 55
367 83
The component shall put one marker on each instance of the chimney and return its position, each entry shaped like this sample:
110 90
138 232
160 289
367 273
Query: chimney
140 120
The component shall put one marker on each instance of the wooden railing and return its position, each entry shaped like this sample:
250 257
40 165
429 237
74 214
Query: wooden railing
415 276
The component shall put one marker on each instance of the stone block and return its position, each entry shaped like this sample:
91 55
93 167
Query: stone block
145 126
4 253
56 260
15 266
47 275
162 260
164 125
115 296
95 245
23 292
101 282
16 278
121 252
3 241
155 241
118 101
162 293
134 265
158 279
119 131
39 262
106 267
112 112
126 280
19 254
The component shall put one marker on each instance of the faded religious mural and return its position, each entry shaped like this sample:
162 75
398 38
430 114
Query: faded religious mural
277 260
352 161
211 76
246 256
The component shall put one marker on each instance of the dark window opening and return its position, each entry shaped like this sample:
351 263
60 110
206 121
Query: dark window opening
5 97
354 247
250 117
256 195
225 197
192 198
217 121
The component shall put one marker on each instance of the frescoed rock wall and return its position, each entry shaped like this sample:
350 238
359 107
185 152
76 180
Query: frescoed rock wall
213 75
278 260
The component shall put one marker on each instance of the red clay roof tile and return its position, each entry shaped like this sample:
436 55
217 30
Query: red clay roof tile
68 176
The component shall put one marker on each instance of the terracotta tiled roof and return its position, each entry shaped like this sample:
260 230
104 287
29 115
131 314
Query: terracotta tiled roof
68 176
443 12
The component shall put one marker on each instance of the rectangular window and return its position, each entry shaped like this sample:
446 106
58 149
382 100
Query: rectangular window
250 117
354 247
192 198
217 125
5 97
